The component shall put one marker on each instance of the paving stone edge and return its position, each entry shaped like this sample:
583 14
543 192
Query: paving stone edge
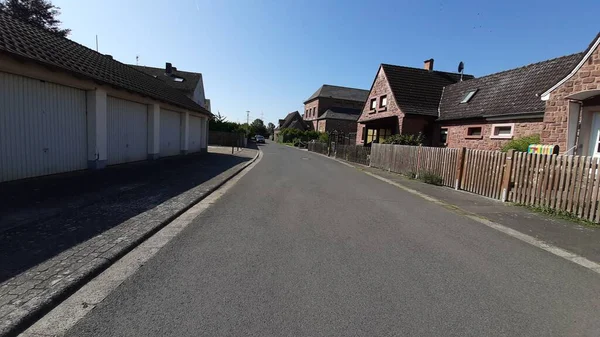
97 265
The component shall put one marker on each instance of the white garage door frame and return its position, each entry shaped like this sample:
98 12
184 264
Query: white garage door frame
170 133
196 133
127 131
43 128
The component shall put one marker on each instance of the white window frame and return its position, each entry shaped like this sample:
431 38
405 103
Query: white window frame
373 103
493 135
383 101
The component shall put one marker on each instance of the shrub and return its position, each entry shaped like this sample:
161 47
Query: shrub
405 139
431 178
324 138
521 144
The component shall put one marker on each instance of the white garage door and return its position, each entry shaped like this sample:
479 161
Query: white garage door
127 127
42 128
170 133
196 132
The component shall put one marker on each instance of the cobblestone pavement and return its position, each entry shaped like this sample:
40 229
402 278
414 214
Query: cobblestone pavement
55 249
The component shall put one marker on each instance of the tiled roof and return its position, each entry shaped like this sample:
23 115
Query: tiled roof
188 85
297 124
333 91
291 117
510 92
27 42
418 91
341 113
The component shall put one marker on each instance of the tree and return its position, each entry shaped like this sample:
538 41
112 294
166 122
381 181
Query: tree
39 13
271 128
220 119
258 128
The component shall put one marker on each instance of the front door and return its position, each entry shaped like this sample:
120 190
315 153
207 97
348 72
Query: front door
595 136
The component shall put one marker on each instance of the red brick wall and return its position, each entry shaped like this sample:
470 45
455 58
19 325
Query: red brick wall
359 133
557 108
321 126
380 88
309 106
457 132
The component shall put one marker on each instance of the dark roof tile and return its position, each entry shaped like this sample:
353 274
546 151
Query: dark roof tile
337 92
188 85
509 92
418 91
25 41
341 113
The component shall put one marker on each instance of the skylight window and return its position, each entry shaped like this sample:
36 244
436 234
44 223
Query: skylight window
468 96
178 79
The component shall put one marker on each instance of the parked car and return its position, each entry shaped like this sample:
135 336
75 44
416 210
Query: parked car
259 139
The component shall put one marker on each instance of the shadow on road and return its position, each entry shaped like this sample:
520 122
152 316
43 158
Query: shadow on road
42 217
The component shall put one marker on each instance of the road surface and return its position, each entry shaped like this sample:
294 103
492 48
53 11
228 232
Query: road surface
305 246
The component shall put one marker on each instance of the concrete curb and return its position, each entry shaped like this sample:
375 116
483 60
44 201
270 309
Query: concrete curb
24 317
563 253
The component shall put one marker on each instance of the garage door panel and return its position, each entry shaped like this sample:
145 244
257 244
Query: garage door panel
170 133
127 128
42 128
195 134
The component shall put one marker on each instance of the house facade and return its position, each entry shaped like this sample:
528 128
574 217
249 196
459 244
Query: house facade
572 106
66 107
487 112
332 97
341 120
403 100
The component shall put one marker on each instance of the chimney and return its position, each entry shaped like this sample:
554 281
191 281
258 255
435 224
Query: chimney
428 65
168 68
174 68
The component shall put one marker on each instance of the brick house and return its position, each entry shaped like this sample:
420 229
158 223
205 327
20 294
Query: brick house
572 106
487 112
558 99
403 100
330 97
338 119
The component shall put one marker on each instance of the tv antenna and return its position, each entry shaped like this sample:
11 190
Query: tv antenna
461 68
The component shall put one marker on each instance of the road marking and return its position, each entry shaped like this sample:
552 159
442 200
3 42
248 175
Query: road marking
64 316
580 260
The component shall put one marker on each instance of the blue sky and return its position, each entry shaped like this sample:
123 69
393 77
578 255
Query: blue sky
268 56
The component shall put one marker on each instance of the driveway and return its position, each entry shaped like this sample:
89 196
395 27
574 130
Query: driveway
305 246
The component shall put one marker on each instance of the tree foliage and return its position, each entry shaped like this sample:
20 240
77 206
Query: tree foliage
258 128
39 13
271 128
521 144
405 139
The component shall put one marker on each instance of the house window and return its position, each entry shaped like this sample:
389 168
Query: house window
444 136
371 135
373 104
383 102
502 131
468 96
383 134
474 132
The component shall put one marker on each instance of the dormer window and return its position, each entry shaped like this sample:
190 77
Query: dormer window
468 96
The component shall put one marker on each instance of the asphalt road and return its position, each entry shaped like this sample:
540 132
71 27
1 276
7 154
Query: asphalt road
305 246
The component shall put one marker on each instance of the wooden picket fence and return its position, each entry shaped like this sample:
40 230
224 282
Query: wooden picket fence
567 184
416 160
482 172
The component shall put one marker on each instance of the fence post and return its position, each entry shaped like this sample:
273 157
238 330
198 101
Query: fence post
418 162
460 165
507 173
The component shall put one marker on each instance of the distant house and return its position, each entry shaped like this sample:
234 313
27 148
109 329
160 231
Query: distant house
403 100
190 83
341 100
293 120
342 120
65 107
486 112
